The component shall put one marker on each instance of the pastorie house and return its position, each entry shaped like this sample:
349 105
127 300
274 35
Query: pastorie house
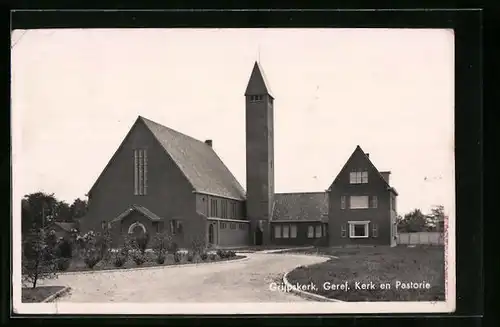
162 179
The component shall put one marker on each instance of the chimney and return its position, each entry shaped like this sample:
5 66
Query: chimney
385 175
209 142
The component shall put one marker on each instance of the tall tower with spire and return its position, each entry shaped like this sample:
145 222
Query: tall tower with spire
259 155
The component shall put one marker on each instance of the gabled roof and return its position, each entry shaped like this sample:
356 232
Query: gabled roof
258 84
300 207
198 161
142 210
66 226
358 149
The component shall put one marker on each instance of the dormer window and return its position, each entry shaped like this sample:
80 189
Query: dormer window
358 177
256 98
140 172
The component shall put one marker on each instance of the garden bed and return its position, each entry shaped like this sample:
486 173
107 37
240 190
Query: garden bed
79 265
39 294
395 267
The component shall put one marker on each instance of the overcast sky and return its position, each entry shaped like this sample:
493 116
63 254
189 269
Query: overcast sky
76 93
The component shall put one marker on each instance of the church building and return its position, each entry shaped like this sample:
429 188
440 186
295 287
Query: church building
161 179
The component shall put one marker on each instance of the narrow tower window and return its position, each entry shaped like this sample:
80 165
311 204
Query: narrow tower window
140 172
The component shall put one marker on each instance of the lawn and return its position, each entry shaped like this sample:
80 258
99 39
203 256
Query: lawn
77 264
363 270
38 294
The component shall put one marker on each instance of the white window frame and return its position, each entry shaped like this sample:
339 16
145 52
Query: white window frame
359 207
343 231
365 223
374 230
318 231
358 177
293 231
277 231
310 231
286 231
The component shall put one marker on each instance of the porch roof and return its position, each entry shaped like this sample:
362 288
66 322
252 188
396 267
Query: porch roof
142 210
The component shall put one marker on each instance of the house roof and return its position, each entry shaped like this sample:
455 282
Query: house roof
300 207
66 226
358 149
198 161
145 212
258 83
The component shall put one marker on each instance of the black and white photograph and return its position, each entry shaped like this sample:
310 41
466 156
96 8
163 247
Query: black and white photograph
233 171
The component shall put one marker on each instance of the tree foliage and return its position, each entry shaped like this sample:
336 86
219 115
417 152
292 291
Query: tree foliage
38 257
416 221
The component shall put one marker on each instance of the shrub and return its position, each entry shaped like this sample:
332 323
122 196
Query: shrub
119 260
198 246
160 259
204 256
141 242
63 264
190 256
138 257
38 258
221 253
231 254
160 244
91 253
103 243
213 256
177 257
173 247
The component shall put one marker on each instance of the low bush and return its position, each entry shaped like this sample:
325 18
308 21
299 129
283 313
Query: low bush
120 259
91 258
204 256
64 249
177 257
223 254
213 256
139 258
63 264
190 256
160 259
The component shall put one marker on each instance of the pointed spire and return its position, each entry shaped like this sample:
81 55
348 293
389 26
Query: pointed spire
258 85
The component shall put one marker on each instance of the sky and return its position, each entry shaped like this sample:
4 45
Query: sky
76 93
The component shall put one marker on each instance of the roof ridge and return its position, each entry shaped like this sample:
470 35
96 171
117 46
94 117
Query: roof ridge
172 130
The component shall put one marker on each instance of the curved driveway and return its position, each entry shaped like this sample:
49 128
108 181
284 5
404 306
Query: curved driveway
239 281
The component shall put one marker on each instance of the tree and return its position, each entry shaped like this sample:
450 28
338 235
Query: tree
79 208
63 212
435 217
414 221
38 209
39 261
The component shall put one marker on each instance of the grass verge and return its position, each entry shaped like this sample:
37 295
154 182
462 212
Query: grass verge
38 294
383 270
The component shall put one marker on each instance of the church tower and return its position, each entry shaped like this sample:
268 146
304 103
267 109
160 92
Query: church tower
259 155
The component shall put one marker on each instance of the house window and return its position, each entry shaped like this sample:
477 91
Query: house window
213 207
374 202
277 231
343 231
293 231
374 230
224 209
234 210
286 230
310 231
318 231
232 225
358 229
358 202
222 225
140 172
342 202
358 177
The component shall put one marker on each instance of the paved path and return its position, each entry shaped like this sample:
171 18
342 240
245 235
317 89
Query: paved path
244 281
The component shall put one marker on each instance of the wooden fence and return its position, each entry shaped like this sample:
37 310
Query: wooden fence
421 238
